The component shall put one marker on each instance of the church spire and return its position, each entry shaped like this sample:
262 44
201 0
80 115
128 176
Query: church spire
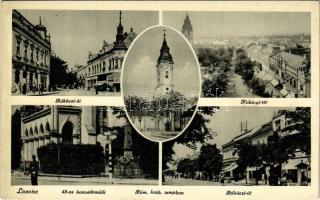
119 43
187 29
165 51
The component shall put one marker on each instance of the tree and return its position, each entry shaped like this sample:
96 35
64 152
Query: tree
295 136
58 72
210 160
196 133
249 155
16 139
216 86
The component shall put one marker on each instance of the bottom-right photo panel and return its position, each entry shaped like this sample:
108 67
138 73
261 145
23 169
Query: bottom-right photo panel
241 146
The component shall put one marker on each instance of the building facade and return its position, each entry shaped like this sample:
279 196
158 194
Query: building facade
293 73
31 51
103 69
259 135
74 125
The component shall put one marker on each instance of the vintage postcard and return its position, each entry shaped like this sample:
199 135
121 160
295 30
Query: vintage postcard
159 100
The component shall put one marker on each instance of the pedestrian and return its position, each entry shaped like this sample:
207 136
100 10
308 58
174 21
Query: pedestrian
41 88
33 170
34 87
19 85
222 180
97 89
24 89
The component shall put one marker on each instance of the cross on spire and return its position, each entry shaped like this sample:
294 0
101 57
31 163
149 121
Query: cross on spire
120 15
164 33
40 20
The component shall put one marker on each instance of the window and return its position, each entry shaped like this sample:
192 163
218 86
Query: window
31 55
18 48
25 49
167 74
37 54
301 87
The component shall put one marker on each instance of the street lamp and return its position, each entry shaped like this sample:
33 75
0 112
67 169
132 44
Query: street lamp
106 139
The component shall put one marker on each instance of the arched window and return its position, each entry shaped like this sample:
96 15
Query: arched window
167 74
67 132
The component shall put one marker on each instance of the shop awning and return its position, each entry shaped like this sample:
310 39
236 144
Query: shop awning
284 92
274 82
292 163
100 83
253 168
230 167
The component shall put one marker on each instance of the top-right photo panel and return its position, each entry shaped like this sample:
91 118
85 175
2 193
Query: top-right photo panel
249 54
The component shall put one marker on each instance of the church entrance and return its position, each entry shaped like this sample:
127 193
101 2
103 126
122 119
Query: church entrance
67 131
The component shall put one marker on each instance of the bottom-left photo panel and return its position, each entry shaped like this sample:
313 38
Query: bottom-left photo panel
79 145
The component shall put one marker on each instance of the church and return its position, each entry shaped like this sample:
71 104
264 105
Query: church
187 29
167 122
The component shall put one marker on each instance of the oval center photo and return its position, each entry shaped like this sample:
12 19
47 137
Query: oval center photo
161 83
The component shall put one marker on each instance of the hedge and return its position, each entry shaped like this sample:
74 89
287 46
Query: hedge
76 159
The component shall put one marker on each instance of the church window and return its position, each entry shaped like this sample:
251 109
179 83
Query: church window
167 74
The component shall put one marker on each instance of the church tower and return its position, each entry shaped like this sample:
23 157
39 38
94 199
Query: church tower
164 69
119 43
187 29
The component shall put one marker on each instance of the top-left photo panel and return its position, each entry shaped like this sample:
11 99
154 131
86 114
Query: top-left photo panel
73 52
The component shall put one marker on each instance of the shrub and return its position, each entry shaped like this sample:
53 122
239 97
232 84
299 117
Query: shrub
76 159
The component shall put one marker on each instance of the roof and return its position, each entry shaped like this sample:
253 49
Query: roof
292 60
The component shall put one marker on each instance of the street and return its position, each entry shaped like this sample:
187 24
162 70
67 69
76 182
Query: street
188 181
84 92
44 180
237 87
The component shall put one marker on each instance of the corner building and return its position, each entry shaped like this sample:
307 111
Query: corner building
104 68
31 50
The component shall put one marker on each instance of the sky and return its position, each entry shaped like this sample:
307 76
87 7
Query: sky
139 71
74 33
226 124
230 24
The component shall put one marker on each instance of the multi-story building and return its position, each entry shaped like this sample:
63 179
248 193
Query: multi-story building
260 135
104 68
31 51
293 73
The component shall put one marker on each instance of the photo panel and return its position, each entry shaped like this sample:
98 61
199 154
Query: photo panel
161 84
249 54
79 145
72 52
265 146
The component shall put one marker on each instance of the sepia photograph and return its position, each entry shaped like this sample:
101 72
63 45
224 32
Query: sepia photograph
249 54
161 83
159 100
242 146
74 145
72 52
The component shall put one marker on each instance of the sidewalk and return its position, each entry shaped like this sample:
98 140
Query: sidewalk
35 93
55 180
